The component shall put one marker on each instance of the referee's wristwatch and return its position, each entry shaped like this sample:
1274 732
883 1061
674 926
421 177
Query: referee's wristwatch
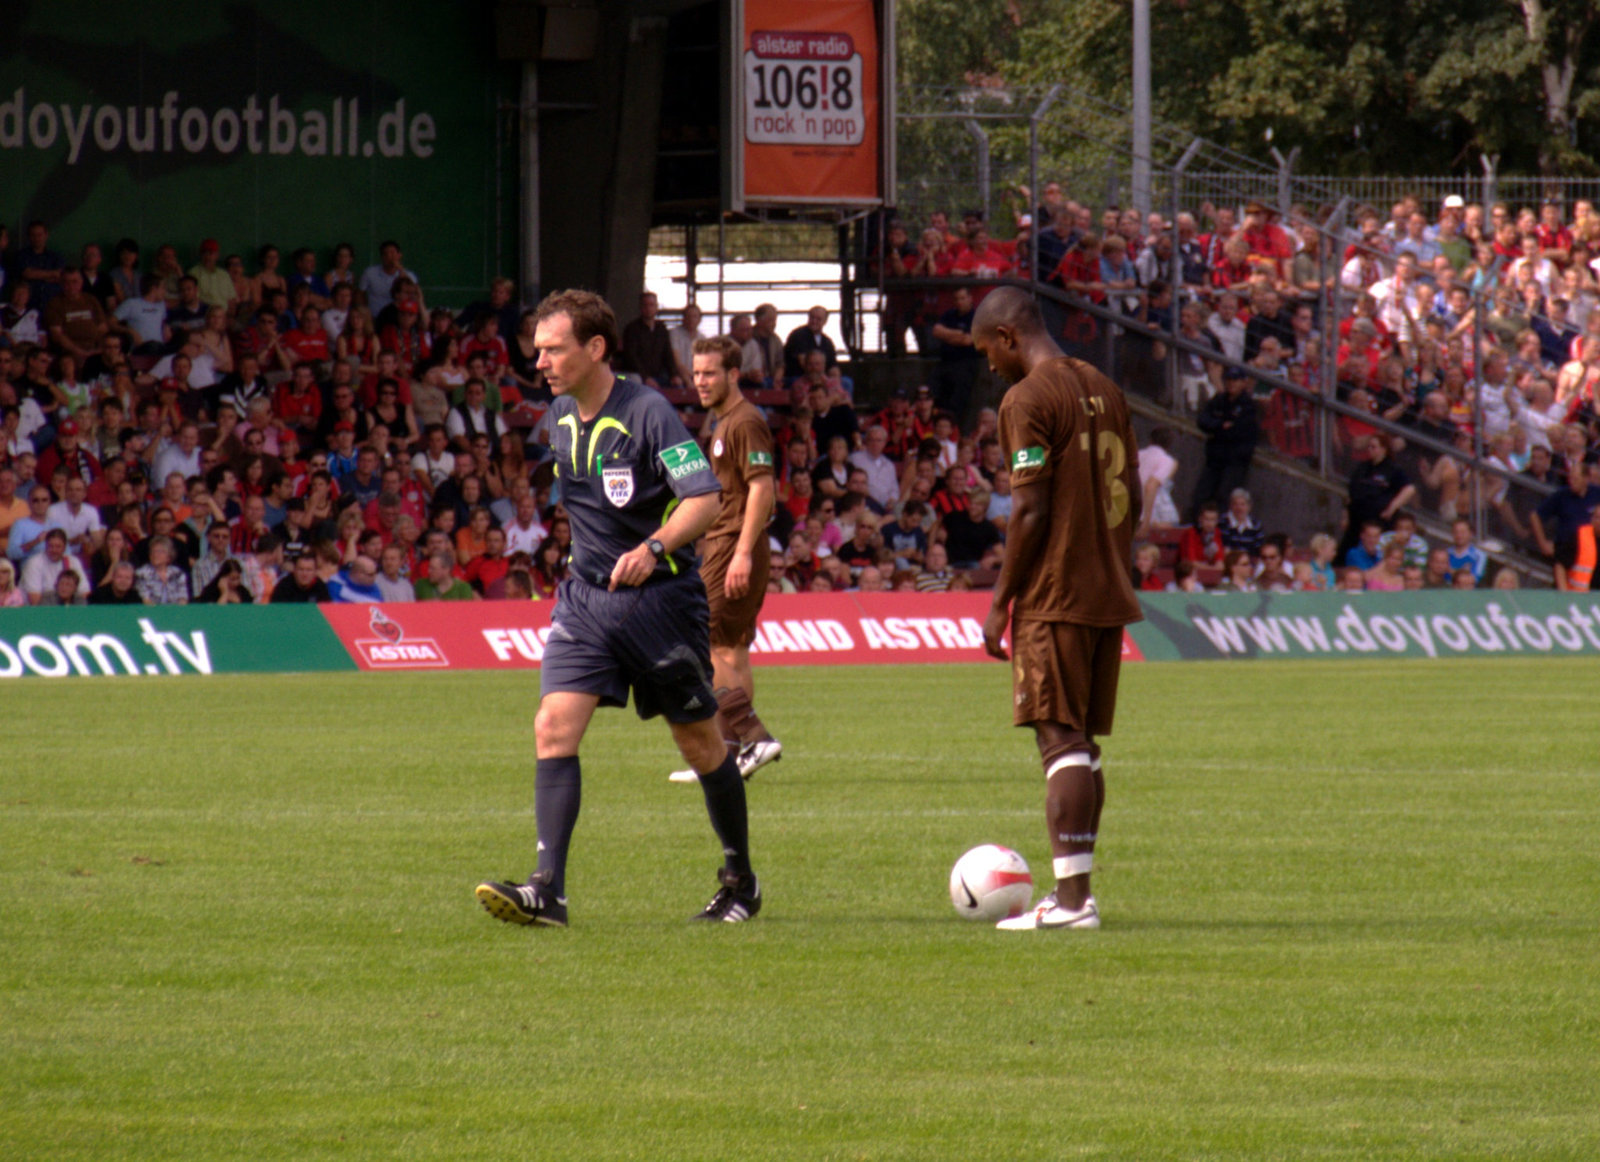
657 549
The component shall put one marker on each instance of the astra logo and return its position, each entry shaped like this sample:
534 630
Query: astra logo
390 649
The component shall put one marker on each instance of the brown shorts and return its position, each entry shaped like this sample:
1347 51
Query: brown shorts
733 622
1066 673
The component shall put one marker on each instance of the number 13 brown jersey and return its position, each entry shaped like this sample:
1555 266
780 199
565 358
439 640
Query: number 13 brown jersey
1066 426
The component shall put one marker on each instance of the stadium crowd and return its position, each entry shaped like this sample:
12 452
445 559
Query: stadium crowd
303 434
319 433
208 435
1444 320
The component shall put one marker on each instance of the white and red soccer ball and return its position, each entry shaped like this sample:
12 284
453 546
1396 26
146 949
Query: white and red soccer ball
990 883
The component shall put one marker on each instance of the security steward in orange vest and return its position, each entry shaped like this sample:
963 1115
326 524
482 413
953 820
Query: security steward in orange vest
1581 575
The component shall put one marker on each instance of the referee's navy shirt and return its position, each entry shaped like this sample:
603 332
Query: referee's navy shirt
622 473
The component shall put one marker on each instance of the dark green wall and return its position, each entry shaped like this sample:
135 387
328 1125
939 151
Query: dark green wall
86 64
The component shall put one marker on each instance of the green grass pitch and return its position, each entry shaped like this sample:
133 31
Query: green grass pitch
1350 913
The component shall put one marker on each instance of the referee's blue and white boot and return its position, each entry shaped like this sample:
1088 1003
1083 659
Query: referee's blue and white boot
529 903
1049 914
738 899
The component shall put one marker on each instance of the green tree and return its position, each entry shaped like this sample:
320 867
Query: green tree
1361 86
953 42
1513 75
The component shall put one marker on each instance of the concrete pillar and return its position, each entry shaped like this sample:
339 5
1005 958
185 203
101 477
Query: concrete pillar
599 121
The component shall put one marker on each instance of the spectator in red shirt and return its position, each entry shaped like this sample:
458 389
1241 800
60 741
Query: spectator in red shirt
67 451
1222 228
251 526
308 341
388 368
1366 307
441 327
381 513
405 336
934 256
940 221
923 414
413 501
298 403
897 420
796 460
1507 241
1270 247
1555 240
798 501
1358 359
264 342
1079 272
104 490
1201 543
487 571
1235 271
289 455
951 495
1146 566
982 259
1079 269
956 241
486 339
1372 243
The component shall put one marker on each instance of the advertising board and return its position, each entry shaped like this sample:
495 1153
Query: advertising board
1428 624
138 641
251 123
807 629
809 103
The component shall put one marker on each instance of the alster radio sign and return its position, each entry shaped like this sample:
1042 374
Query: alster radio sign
811 112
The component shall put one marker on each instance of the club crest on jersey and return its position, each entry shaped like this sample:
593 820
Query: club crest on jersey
716 448
618 485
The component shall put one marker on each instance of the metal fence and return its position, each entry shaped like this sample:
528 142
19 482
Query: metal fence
1382 191
962 147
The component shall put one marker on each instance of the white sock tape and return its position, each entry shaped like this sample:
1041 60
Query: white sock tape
1067 866
1077 758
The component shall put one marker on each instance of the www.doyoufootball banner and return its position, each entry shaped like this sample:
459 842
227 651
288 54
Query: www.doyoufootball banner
801 629
1427 624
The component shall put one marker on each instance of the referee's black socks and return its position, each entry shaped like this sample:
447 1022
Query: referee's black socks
557 786
724 791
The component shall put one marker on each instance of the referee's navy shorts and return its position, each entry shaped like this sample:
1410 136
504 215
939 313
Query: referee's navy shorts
652 639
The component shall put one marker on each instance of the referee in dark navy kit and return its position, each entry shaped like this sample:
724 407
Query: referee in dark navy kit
632 613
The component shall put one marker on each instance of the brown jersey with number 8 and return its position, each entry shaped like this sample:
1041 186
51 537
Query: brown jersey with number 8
1067 425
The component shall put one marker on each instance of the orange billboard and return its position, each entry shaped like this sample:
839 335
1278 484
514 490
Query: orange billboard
808 103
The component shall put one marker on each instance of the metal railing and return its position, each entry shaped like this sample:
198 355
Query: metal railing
1311 426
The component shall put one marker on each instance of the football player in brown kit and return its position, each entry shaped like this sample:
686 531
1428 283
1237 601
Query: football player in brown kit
736 554
1065 587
